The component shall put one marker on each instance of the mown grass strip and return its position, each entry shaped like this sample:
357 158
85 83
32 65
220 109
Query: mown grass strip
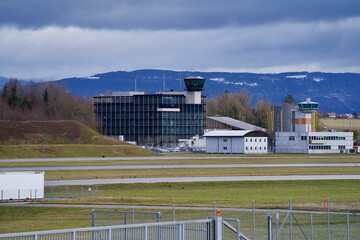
160 161
71 151
267 194
196 172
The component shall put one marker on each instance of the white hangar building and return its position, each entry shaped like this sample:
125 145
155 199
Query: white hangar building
237 141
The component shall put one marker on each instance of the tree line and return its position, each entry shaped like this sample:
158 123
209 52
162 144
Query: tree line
237 106
43 101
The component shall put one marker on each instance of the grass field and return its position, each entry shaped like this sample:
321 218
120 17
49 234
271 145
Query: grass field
268 194
160 161
196 172
71 150
341 124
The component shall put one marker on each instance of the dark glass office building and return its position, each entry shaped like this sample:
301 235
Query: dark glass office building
153 119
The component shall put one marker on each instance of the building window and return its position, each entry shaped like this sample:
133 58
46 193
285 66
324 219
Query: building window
225 148
259 139
303 138
250 139
264 148
250 148
255 148
260 148
246 148
265 139
245 139
341 147
225 140
255 139
291 138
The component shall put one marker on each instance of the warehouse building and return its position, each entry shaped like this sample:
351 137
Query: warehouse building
237 141
153 119
302 139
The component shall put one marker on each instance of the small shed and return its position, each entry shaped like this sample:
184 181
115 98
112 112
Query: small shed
237 142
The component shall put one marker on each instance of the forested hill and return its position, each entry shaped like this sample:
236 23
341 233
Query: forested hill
336 92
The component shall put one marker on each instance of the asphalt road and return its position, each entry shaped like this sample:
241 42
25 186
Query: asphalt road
267 165
160 158
197 179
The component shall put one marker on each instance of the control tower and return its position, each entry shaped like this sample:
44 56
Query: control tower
303 118
194 86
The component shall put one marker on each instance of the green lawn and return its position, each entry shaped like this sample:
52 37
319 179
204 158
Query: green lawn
196 172
71 150
268 194
241 160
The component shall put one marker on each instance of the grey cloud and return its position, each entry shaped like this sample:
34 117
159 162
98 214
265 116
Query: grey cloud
169 14
56 52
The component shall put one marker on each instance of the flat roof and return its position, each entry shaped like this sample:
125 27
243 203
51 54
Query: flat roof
227 133
236 123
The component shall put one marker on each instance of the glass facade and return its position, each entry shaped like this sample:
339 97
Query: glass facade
150 119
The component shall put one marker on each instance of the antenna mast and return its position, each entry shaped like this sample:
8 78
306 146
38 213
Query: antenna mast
164 82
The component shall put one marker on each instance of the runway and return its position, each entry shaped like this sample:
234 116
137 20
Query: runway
198 179
119 167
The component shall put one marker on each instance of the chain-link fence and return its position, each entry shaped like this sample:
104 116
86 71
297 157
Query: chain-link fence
108 218
254 222
70 192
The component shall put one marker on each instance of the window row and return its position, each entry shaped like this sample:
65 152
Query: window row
255 139
319 147
255 148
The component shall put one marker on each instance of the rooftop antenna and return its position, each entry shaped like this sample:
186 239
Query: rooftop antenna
164 82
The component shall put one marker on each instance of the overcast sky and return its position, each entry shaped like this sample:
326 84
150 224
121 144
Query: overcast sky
53 39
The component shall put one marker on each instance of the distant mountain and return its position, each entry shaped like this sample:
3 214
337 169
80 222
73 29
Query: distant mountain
2 82
335 92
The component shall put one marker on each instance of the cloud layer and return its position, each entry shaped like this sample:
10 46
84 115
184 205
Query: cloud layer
55 39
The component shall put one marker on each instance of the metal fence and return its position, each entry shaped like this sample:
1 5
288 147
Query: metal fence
253 222
70 192
182 230
108 218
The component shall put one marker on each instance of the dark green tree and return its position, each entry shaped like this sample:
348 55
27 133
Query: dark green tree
289 99
46 96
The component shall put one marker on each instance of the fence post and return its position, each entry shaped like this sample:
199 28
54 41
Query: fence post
290 218
73 235
93 213
145 233
269 218
82 192
18 193
132 219
311 228
277 224
348 226
214 209
158 217
328 218
109 234
174 212
253 219
218 228
35 236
